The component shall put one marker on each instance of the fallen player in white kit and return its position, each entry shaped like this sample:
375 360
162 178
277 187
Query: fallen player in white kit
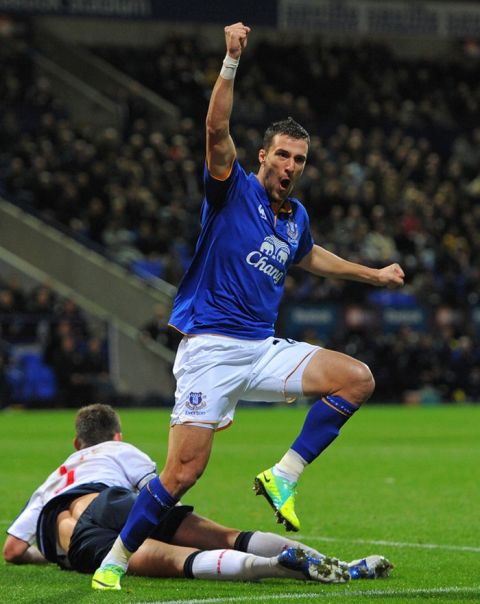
78 512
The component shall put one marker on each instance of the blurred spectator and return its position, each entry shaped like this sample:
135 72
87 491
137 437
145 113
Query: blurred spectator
67 362
14 286
59 330
5 388
41 301
157 329
68 311
95 370
14 326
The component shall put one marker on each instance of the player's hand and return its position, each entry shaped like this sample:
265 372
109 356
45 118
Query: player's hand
391 276
236 36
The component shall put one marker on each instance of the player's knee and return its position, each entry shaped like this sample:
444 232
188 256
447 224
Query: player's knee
362 383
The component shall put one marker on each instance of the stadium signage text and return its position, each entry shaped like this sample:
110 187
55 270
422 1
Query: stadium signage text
370 17
91 8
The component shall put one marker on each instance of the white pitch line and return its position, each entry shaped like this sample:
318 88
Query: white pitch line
368 593
455 548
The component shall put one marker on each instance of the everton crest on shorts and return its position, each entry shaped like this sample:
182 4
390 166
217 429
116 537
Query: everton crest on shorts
195 403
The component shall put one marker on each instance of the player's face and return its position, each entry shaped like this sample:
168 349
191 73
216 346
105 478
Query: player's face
281 165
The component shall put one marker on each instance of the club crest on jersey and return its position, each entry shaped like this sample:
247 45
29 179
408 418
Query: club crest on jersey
196 402
292 230
261 211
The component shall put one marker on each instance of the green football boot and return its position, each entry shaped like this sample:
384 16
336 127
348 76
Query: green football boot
108 577
280 494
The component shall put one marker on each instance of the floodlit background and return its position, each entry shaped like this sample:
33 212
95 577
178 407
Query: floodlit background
102 107
101 157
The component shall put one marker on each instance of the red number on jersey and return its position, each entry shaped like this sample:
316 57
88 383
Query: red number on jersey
70 477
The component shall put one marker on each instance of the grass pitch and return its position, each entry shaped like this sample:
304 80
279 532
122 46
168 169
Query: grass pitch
403 482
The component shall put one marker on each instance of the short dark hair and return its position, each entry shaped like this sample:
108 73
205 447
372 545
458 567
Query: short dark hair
289 127
96 424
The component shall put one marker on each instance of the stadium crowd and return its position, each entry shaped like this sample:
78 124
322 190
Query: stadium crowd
392 176
49 352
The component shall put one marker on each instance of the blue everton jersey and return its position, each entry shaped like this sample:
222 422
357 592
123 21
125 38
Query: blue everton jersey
235 282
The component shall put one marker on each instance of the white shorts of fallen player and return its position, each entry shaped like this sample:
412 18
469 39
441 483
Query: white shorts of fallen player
214 372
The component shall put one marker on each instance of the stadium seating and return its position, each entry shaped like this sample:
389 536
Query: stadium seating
31 380
394 178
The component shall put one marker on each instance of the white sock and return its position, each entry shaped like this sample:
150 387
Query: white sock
270 544
290 466
230 565
118 555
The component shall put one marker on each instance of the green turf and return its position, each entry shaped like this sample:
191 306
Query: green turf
407 477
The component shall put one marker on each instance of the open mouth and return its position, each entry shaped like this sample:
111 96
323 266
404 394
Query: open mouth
285 183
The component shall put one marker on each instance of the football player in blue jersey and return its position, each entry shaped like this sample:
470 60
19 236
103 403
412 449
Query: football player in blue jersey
226 306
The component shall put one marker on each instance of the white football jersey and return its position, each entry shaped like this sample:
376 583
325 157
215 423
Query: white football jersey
113 463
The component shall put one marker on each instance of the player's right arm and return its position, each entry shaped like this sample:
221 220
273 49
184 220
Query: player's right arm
18 547
220 150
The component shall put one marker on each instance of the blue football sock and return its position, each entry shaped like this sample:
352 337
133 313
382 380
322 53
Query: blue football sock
152 504
322 425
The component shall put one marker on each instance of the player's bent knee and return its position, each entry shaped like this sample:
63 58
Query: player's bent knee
363 383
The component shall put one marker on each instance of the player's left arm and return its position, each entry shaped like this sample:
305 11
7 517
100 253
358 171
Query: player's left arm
323 263
17 551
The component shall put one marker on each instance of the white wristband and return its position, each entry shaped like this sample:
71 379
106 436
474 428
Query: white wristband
229 67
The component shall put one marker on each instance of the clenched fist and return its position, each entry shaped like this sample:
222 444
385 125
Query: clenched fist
391 276
236 36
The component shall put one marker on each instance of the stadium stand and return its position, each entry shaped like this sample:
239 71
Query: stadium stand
49 354
392 176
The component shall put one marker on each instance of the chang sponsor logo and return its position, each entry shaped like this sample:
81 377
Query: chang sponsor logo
275 248
271 248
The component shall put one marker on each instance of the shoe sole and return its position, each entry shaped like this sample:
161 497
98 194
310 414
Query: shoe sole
327 570
379 570
383 568
260 489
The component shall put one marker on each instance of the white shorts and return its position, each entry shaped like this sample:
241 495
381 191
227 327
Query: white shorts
214 372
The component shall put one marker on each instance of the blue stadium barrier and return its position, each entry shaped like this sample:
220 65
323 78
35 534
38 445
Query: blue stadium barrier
146 269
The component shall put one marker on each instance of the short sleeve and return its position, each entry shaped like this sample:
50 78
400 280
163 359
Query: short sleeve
24 526
217 191
136 465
